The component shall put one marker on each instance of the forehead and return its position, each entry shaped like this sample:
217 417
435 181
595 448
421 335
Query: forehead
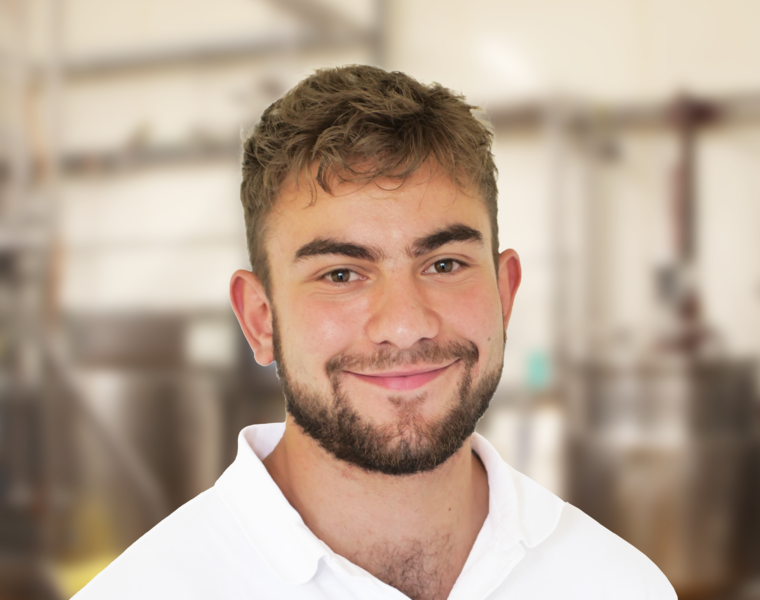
383 212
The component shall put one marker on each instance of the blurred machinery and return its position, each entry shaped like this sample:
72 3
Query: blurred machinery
664 442
662 426
33 460
664 453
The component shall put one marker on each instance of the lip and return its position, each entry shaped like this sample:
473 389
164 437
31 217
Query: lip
403 380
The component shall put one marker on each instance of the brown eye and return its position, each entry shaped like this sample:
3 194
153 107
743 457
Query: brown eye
340 275
444 266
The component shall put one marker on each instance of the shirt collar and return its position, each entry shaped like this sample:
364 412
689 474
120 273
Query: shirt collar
520 510
273 527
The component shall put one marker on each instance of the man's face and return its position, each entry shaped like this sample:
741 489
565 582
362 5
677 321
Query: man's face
388 327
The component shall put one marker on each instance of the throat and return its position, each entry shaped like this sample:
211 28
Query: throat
420 570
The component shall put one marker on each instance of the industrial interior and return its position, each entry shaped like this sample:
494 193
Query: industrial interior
627 137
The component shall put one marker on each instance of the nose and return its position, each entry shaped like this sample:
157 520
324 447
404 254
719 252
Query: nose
402 314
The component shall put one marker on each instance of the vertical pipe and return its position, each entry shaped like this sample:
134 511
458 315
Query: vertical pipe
689 115
46 276
684 201
556 132
17 91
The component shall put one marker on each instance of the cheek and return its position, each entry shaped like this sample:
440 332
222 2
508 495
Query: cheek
475 316
324 328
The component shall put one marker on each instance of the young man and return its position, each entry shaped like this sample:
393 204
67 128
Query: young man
378 289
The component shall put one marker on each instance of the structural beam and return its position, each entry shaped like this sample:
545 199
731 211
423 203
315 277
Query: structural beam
198 54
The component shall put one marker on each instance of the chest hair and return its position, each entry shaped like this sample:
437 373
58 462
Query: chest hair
420 570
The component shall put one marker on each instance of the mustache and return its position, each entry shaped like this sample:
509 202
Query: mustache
425 352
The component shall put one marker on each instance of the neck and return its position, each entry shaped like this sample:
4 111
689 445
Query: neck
385 523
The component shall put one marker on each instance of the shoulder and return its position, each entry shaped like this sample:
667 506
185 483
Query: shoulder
583 558
186 555
564 552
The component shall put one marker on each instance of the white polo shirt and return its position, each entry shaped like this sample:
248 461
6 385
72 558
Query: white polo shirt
241 540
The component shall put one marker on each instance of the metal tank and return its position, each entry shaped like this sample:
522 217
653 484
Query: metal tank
665 453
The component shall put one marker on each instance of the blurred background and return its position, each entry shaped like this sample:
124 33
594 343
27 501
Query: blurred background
627 141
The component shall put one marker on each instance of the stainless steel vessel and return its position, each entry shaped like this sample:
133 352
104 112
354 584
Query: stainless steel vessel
665 454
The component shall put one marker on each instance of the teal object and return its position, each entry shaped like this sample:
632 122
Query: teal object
538 374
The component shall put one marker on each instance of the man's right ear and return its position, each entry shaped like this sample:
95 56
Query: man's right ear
254 313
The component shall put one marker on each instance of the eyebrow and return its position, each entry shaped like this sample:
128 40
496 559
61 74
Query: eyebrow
457 232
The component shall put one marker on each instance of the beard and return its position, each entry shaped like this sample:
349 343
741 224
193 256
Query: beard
410 444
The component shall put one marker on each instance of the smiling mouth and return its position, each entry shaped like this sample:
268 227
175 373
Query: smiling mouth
403 380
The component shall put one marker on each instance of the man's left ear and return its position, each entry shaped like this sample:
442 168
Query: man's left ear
510 275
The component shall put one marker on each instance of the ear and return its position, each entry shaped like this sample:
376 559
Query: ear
254 313
510 275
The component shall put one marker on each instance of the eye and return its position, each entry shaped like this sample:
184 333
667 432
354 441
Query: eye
341 276
444 265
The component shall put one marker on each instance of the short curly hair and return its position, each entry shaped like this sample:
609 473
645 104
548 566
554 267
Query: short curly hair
358 123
